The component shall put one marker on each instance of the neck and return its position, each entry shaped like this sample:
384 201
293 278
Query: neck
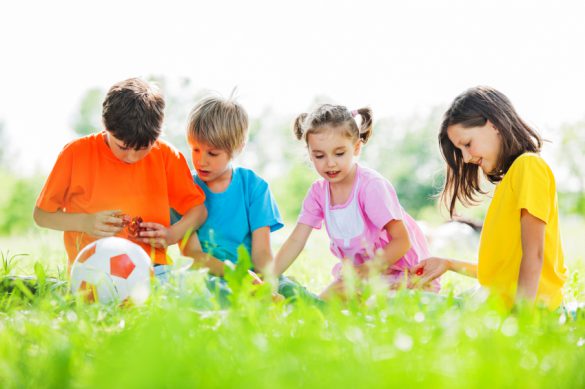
221 183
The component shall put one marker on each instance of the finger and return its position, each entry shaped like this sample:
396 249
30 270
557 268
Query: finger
152 225
113 220
417 267
106 227
112 212
425 279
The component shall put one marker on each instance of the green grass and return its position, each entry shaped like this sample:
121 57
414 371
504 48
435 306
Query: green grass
181 338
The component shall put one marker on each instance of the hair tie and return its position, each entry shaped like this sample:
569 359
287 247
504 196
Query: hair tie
354 113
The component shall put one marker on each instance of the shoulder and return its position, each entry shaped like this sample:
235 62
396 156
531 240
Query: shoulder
529 162
165 148
249 179
371 179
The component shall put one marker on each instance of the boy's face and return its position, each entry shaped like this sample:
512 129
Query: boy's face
211 164
123 153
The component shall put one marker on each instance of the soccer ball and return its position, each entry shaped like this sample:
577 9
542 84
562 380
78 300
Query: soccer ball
112 269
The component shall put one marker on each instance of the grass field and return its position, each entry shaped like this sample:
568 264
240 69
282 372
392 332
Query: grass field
182 338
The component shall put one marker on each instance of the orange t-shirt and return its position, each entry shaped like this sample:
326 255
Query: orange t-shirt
88 178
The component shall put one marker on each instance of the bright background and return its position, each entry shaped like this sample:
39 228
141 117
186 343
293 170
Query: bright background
400 57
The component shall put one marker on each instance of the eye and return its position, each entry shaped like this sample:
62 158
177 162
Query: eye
319 156
340 154
213 153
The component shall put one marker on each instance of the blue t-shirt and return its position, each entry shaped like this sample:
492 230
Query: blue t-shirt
232 215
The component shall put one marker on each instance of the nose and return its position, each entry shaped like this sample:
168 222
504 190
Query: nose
330 162
466 156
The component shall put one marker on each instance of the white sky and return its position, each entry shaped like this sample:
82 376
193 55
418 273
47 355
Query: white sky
400 57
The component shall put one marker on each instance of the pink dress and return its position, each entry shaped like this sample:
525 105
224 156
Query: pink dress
356 228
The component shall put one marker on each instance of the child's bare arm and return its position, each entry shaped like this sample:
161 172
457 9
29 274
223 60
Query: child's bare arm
433 267
100 224
394 250
191 221
291 249
261 251
532 232
193 249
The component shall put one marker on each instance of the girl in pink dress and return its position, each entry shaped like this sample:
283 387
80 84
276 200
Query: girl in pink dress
368 228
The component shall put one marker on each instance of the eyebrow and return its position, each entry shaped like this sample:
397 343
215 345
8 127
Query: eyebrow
334 150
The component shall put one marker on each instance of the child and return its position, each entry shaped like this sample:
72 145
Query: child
240 205
368 228
102 180
520 254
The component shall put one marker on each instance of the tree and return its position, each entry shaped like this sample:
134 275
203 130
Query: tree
88 118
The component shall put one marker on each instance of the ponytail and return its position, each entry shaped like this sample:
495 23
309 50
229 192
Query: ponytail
366 128
298 125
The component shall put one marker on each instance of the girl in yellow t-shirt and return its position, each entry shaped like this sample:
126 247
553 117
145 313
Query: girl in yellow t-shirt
520 254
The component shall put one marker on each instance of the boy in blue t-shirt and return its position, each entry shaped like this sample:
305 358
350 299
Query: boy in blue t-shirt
240 206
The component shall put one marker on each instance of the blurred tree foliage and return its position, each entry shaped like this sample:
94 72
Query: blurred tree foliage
88 118
403 150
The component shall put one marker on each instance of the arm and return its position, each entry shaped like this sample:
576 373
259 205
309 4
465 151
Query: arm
201 259
434 267
190 221
394 250
160 236
100 224
291 248
532 233
261 252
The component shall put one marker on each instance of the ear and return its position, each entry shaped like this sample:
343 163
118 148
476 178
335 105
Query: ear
357 148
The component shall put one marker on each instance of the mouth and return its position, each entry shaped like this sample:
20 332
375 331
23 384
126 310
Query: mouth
332 173
203 173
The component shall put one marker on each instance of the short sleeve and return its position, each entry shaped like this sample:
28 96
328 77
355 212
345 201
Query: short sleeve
263 209
53 196
380 202
184 193
532 183
312 211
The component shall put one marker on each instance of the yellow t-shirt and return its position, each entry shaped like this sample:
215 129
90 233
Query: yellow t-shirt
529 184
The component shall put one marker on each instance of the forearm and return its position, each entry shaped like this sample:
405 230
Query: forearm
204 260
60 220
393 251
529 277
462 267
263 261
287 254
190 222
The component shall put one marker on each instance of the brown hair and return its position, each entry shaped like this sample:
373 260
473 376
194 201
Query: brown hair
133 112
221 123
329 116
473 108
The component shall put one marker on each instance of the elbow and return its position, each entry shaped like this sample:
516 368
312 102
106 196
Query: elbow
38 217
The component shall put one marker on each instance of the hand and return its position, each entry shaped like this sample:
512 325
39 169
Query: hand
427 270
103 224
256 280
154 234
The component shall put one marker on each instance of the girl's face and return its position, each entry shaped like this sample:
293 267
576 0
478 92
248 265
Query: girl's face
333 154
211 164
479 145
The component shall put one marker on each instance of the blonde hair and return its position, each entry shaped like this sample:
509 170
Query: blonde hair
328 116
220 123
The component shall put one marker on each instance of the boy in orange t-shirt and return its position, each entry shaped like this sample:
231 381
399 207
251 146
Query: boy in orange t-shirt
102 180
